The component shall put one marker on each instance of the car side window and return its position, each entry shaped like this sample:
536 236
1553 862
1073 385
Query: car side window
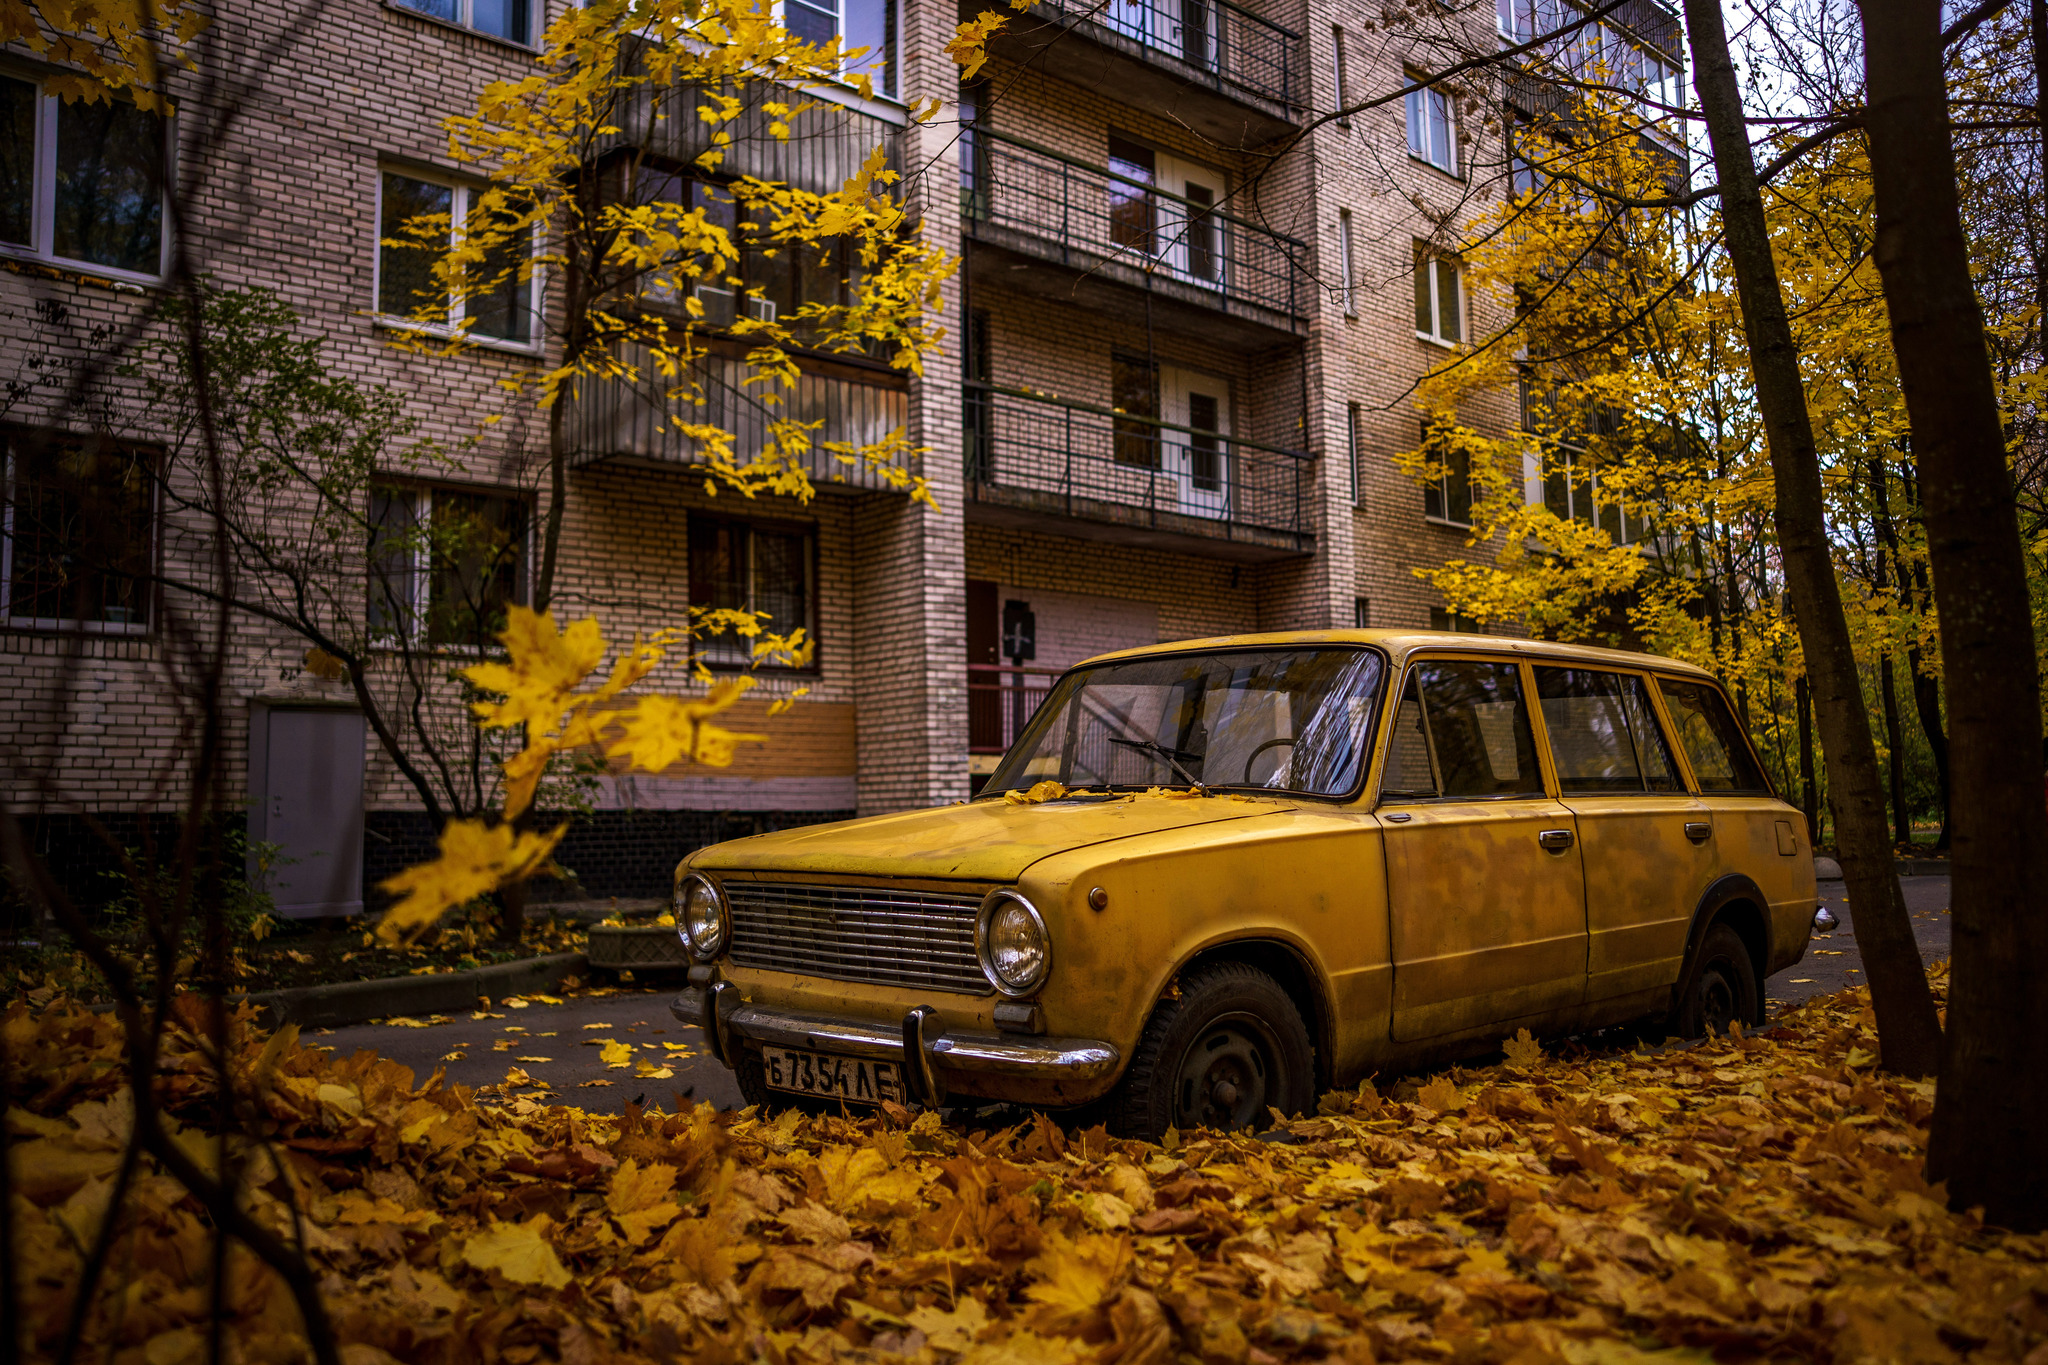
1604 735
1712 738
1462 731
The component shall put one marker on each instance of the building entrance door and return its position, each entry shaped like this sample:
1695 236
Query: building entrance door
1198 461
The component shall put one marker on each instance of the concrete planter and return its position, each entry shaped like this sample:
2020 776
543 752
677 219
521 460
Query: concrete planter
632 947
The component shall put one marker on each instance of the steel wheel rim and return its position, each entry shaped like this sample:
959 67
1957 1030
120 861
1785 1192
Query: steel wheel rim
1226 1077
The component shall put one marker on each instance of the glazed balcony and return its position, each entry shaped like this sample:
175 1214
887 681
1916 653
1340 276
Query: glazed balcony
1053 225
1228 73
635 421
1112 476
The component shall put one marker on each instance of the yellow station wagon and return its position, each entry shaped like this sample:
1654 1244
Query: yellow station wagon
1222 875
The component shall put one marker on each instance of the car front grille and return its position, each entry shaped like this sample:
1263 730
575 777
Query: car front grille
854 933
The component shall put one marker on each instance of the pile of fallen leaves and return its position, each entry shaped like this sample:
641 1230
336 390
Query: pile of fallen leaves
1759 1197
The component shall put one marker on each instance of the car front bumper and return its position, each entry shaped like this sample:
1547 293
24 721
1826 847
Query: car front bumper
937 1063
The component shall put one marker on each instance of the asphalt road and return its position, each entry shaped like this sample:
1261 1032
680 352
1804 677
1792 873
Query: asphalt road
564 1045
1832 961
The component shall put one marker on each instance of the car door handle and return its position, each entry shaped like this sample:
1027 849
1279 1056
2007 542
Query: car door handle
1699 831
1556 840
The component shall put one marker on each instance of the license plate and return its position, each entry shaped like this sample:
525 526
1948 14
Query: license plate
853 1079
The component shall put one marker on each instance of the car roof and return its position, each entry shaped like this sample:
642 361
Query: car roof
1401 643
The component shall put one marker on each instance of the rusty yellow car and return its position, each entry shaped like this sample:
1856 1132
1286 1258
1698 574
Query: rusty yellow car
1212 878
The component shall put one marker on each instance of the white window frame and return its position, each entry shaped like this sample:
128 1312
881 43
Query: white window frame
1347 287
8 621
465 20
1425 264
846 74
417 601
42 212
1422 144
1340 75
458 214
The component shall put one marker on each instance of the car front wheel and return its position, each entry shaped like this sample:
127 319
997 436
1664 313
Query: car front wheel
1229 1047
1721 989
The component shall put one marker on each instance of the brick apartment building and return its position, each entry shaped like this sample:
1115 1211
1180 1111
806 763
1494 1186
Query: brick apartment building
1181 338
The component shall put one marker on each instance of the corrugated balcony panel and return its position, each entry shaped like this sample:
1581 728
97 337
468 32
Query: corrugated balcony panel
615 419
1063 459
825 146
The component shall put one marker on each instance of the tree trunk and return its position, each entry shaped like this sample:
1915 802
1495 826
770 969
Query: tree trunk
1908 1031
1809 789
1927 701
1991 1109
1890 577
1895 738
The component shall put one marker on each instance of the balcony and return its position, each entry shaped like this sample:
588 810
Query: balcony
827 141
1133 480
1230 75
635 421
1052 225
1000 701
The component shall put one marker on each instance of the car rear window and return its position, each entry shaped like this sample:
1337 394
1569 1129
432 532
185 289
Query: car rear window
1604 735
1462 730
1712 738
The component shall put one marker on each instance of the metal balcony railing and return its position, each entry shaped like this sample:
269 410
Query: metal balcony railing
1233 48
999 702
1075 459
1088 216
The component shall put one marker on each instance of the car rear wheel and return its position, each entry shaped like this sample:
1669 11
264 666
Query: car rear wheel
1231 1046
1721 989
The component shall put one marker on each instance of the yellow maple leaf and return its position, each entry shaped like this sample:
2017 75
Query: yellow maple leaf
951 1330
474 860
1523 1050
1440 1095
1040 792
616 1055
1075 1276
518 1251
658 732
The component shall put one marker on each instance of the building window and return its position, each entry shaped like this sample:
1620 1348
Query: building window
511 20
1134 393
406 288
741 566
1340 76
1439 302
1447 497
1346 292
1432 131
81 183
866 24
1133 213
77 533
976 174
1352 417
1439 619
1361 613
445 564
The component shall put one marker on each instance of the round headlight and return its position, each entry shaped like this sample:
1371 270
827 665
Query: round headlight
700 916
1016 953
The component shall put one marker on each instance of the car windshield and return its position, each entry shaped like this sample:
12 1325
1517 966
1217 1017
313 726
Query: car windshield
1293 720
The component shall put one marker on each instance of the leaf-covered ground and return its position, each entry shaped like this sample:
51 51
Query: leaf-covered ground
1757 1198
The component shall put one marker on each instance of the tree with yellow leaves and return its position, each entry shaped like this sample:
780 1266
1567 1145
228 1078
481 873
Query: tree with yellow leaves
620 191
108 46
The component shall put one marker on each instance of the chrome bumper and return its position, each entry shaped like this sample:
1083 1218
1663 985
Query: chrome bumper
719 1011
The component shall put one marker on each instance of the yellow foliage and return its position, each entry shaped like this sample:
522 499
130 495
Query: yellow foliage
474 860
518 1251
111 43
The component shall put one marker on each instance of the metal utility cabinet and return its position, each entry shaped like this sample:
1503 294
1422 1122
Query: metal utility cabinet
306 796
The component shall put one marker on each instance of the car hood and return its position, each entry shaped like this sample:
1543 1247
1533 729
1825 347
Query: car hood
985 841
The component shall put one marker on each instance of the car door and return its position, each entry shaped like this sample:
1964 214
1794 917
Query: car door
1751 830
1486 901
1644 840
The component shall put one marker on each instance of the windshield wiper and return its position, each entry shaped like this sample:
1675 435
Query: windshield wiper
1147 746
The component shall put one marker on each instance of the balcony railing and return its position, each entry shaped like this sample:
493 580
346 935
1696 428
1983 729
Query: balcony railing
1089 217
1073 459
1234 49
633 420
999 702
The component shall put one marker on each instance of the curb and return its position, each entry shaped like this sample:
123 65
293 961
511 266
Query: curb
352 1002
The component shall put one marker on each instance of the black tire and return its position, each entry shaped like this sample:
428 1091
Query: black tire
1719 988
1230 1046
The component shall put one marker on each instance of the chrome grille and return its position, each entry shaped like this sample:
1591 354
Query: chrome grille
852 933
